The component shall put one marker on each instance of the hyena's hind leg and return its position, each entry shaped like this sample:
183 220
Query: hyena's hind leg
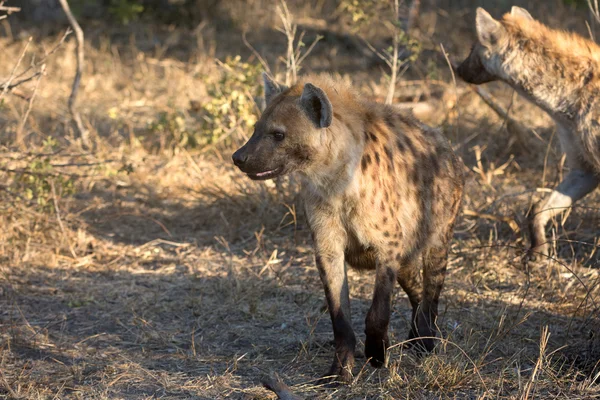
574 186
411 281
378 318
435 261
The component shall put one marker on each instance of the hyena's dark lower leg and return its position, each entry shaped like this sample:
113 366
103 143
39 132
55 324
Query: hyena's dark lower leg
435 261
333 275
378 317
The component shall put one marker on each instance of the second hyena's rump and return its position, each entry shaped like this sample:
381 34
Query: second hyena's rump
381 192
559 72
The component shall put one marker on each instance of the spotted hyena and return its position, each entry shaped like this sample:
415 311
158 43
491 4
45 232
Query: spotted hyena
381 192
559 72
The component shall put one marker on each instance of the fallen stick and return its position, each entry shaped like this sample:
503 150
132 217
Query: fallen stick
500 218
276 385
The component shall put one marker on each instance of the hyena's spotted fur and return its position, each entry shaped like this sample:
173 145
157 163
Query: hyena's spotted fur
381 192
559 72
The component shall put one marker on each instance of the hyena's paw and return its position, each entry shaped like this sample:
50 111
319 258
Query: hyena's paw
335 376
341 368
421 345
536 256
375 350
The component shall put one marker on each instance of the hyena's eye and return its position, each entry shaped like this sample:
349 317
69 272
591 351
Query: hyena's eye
278 135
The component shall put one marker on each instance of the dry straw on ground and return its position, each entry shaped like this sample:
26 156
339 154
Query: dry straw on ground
155 270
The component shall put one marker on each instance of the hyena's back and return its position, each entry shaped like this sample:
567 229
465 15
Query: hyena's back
409 170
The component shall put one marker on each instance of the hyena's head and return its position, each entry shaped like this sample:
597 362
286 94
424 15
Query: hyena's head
486 62
287 138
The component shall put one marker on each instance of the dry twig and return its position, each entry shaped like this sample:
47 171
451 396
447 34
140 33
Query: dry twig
15 80
294 55
9 10
6 85
276 385
59 220
19 136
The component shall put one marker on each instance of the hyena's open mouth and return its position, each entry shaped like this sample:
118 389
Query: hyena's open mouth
262 176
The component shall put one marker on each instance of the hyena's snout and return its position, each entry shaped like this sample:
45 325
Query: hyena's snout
472 70
240 157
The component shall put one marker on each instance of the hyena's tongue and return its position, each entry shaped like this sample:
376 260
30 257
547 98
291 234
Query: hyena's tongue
265 173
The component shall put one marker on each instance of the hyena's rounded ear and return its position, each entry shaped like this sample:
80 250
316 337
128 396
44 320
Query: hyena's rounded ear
520 12
272 88
489 31
315 103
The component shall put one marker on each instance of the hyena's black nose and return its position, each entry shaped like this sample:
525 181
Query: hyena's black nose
239 158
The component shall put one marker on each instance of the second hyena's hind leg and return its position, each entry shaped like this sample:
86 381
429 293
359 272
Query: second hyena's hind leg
574 186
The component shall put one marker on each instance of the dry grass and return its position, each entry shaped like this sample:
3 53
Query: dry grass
168 275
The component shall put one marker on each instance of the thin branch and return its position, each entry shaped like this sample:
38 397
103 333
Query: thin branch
9 10
44 174
59 220
289 29
294 53
262 61
309 49
594 10
48 54
14 70
19 82
377 52
83 133
452 69
511 123
19 135
394 57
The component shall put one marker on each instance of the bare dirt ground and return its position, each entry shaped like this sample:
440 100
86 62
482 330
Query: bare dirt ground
152 270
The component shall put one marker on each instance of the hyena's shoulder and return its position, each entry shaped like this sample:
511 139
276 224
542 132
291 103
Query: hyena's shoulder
402 132
397 143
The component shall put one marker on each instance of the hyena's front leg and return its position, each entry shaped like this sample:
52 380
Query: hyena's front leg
378 317
576 185
333 276
329 248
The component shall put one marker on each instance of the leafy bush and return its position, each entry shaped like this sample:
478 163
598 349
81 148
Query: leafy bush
35 182
232 104
174 130
230 109
125 10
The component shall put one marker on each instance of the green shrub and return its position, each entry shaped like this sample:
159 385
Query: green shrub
125 10
232 104
33 183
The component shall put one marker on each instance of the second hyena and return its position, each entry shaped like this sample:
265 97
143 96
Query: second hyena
381 192
559 72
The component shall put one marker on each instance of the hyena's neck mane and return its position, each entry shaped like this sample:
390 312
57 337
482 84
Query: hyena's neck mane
342 142
562 45
551 67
